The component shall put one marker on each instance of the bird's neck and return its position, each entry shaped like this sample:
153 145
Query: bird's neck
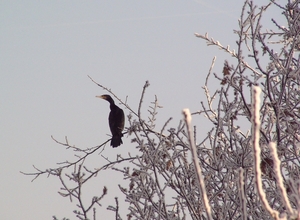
112 106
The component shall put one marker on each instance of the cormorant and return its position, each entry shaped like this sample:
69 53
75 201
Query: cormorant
116 121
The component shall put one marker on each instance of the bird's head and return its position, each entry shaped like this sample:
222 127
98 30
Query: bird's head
106 97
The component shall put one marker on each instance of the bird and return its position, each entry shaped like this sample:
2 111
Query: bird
116 120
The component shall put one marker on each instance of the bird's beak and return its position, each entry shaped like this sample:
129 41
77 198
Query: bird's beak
99 96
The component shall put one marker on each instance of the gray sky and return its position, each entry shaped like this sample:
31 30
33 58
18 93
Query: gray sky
48 48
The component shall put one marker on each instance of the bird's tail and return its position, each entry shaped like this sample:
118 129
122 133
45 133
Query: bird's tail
116 140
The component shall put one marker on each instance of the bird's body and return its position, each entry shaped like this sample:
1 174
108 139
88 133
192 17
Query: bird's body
116 121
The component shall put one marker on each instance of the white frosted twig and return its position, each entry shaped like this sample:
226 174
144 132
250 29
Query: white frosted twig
242 193
211 41
201 184
279 180
256 151
210 70
208 97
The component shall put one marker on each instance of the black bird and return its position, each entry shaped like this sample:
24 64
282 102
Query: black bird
116 121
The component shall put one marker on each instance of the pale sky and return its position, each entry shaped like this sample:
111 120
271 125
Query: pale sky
48 48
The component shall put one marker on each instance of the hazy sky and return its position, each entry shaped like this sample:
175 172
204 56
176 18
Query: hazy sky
48 48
